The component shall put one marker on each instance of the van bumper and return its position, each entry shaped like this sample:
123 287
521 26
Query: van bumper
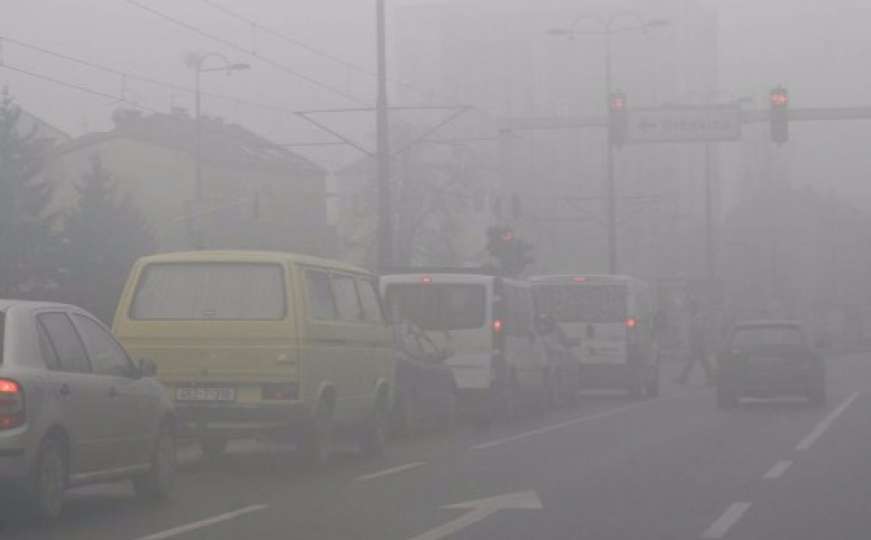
239 419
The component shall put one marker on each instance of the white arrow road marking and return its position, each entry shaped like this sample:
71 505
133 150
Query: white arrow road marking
480 509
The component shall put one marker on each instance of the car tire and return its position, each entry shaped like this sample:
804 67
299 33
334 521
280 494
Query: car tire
508 399
374 438
214 447
636 385
727 396
49 479
407 422
157 483
317 445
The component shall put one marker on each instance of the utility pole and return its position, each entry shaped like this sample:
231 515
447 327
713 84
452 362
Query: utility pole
385 211
710 252
609 164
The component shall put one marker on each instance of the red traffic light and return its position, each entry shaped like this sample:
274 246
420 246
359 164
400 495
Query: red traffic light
779 98
618 102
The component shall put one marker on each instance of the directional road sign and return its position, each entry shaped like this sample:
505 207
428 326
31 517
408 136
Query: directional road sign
684 124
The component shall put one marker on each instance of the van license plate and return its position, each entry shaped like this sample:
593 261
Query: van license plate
205 393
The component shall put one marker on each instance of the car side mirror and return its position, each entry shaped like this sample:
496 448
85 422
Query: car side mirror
147 368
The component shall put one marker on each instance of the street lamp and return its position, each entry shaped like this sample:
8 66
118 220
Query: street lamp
197 62
608 28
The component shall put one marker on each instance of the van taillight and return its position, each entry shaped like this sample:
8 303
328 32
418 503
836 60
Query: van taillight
497 326
631 323
11 404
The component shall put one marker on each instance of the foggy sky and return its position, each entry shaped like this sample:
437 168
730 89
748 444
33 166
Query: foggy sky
816 47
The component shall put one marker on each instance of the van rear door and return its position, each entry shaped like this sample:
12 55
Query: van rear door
218 330
453 317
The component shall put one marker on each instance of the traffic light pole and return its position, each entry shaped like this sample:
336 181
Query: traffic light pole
609 166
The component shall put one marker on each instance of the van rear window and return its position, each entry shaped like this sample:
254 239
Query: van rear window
582 303
210 291
438 306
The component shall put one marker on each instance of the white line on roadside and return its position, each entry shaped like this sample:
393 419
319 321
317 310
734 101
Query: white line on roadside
778 470
545 429
169 533
729 518
387 472
824 424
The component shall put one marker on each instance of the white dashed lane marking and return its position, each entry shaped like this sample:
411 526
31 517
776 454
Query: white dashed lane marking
729 518
169 533
394 470
825 423
778 470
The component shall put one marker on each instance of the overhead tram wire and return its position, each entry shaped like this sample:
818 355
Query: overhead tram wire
74 86
143 78
235 46
305 46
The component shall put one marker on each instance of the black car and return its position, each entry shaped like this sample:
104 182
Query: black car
425 387
767 359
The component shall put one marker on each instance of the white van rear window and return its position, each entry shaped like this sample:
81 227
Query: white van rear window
439 306
582 303
210 291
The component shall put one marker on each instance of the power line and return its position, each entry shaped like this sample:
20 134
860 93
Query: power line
134 76
78 87
235 46
305 46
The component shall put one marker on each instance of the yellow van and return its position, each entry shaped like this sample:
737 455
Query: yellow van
263 345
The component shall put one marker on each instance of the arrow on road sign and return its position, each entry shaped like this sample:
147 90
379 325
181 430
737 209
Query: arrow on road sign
481 509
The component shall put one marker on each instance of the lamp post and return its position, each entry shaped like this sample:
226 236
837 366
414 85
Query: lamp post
609 27
197 62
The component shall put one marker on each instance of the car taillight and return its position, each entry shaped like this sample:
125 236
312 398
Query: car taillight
631 323
280 391
11 404
497 326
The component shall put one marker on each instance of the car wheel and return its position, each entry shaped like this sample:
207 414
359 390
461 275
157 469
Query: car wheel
727 396
508 398
317 445
49 480
158 481
214 447
636 385
374 438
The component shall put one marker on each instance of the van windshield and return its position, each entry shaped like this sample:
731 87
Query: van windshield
438 306
210 291
582 303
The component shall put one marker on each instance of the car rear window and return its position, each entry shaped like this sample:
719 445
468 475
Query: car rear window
438 306
210 291
587 303
768 335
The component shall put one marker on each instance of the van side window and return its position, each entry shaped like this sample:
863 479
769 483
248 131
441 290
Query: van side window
320 296
369 299
347 301
70 350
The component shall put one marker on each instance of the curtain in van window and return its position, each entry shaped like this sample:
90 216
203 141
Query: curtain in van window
210 291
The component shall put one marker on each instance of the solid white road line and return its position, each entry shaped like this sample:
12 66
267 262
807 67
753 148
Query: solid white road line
572 422
169 533
394 470
729 518
778 470
824 424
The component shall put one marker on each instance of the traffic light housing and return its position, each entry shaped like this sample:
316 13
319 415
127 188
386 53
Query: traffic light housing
779 114
511 254
618 119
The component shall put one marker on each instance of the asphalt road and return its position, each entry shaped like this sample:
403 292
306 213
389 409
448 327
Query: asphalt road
670 468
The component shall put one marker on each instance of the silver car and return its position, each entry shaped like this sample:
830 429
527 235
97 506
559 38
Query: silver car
74 409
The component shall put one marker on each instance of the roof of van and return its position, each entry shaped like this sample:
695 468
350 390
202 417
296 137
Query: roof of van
249 256
560 278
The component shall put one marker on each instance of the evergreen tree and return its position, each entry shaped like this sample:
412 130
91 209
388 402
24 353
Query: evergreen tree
26 239
103 237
